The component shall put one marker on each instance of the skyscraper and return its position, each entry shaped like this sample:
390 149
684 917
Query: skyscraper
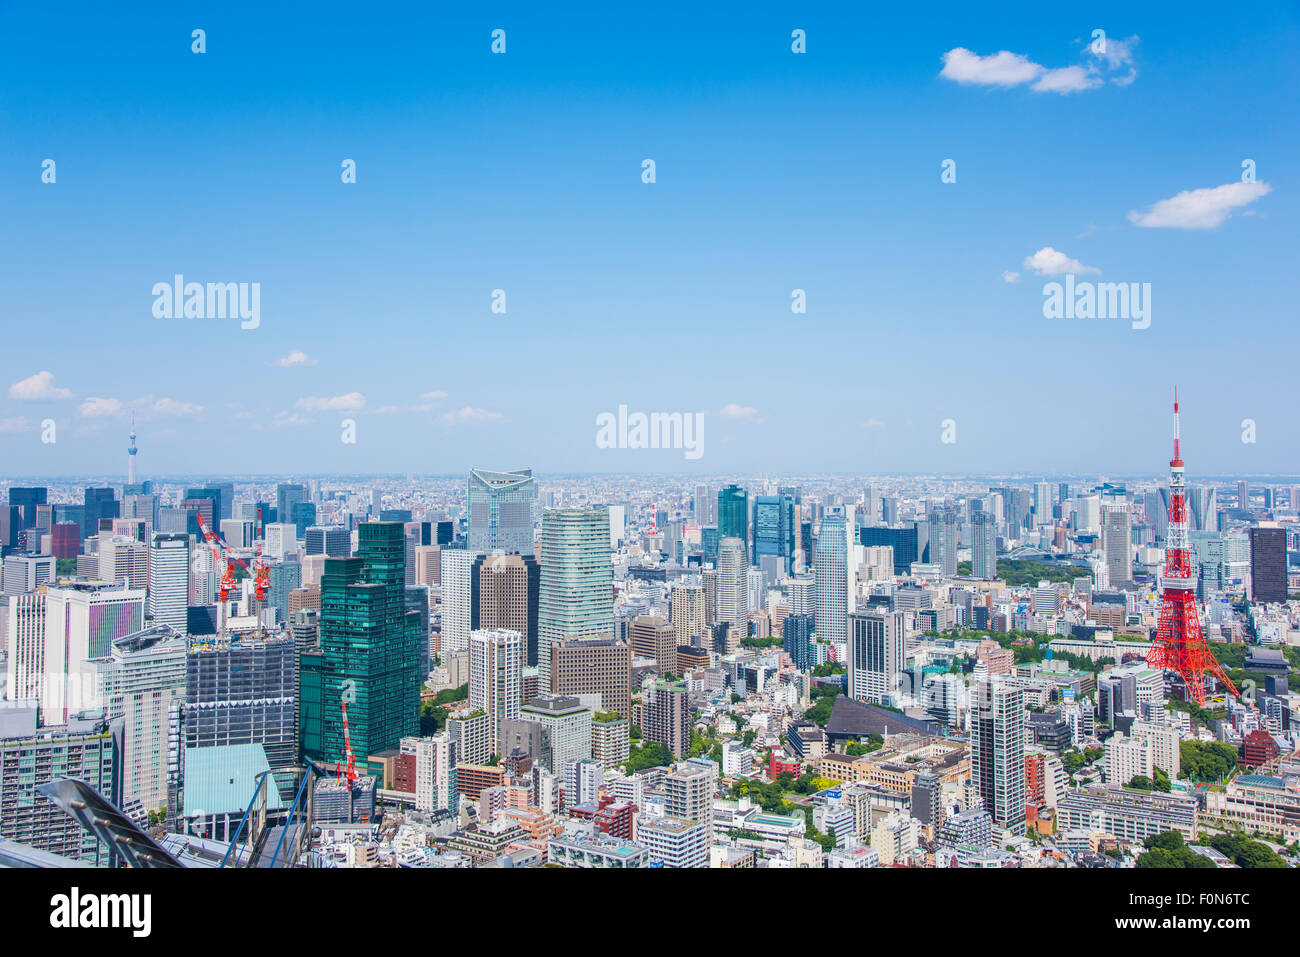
903 541
495 659
1116 538
504 594
169 580
600 666
668 716
688 611
984 546
370 656
501 510
834 577
732 601
456 576
733 513
774 529
998 751
1268 566
99 503
943 540
287 495
706 505
796 639
576 595
81 622
877 656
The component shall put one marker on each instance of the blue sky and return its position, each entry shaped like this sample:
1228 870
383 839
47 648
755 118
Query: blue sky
522 172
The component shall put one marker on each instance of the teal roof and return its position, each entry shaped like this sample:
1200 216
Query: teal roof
1261 780
221 780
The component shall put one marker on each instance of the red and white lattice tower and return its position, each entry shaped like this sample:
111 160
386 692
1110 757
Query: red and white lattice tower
1180 644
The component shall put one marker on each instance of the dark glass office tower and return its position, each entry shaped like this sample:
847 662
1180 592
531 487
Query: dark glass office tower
796 639
1268 564
370 653
904 542
287 495
99 503
774 529
733 513
213 495
27 499
303 516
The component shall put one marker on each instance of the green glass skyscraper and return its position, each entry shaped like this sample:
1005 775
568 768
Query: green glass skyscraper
576 593
371 650
733 513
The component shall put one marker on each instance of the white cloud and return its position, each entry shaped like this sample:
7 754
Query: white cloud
1067 79
295 358
38 387
1200 208
1050 262
167 406
434 396
1006 69
999 69
1116 54
734 411
95 407
287 419
398 409
146 407
352 402
469 414
17 424
873 424
1009 276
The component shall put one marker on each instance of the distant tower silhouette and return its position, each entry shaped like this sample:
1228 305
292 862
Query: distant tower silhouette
131 450
1180 644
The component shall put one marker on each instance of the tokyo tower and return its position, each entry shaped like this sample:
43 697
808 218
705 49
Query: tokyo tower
1180 644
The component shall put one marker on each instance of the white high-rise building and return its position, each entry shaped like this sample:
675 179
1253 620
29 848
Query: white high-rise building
1164 741
25 642
732 598
617 524
455 566
137 682
169 580
688 608
835 586
23 573
281 540
435 772
1087 513
1127 758
496 656
122 557
81 623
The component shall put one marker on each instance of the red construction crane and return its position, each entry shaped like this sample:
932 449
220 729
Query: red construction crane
222 557
347 751
261 571
261 577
